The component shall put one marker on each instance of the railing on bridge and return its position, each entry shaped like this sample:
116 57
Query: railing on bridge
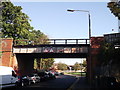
52 41
69 41
52 46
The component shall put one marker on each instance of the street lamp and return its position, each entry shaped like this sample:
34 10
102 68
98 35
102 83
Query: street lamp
89 37
88 17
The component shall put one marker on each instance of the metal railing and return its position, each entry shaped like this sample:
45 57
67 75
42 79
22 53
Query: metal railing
52 41
69 41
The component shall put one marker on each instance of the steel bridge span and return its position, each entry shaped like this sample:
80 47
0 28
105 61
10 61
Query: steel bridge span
54 48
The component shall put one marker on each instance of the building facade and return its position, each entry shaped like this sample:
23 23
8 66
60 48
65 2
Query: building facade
112 38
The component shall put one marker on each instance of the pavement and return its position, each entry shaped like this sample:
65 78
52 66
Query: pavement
80 84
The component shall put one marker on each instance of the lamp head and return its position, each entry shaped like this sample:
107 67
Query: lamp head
70 10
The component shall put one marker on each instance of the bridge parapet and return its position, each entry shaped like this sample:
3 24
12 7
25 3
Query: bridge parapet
69 41
54 46
52 41
51 49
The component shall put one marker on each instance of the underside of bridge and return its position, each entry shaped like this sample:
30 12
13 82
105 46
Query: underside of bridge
53 55
26 60
25 64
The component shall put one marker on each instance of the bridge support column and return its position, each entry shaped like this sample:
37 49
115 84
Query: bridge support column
25 64
94 60
89 76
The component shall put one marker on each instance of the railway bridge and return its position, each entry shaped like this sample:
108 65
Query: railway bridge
54 48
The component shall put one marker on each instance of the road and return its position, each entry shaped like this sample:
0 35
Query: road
62 82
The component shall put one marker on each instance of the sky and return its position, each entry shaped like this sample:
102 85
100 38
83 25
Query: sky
53 19
69 61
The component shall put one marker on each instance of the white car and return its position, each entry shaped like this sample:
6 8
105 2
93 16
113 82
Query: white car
8 77
34 78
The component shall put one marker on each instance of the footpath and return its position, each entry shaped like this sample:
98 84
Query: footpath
82 84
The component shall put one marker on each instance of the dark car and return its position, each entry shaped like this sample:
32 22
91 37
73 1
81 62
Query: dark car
61 73
23 81
51 75
34 78
57 73
43 75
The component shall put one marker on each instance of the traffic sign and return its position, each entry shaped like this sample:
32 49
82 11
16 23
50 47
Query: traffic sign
51 50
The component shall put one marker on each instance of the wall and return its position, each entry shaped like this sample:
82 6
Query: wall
93 60
7 58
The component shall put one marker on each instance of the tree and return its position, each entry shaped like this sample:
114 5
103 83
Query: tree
76 66
84 65
47 63
62 66
110 59
39 38
15 23
114 8
108 52
43 63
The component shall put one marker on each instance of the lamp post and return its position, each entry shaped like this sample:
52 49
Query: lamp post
89 38
88 18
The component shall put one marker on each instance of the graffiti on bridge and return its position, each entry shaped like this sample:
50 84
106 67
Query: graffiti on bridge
51 50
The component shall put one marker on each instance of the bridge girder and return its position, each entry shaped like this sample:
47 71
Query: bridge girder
55 55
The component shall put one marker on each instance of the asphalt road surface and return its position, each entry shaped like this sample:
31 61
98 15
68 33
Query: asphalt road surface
62 82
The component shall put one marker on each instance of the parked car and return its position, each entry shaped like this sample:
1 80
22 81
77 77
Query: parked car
57 73
23 81
62 73
51 75
43 75
8 77
34 78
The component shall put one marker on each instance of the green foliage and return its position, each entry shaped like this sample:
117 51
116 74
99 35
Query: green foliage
84 65
108 52
115 8
47 63
76 66
39 38
77 73
43 63
35 64
110 59
62 66
15 23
